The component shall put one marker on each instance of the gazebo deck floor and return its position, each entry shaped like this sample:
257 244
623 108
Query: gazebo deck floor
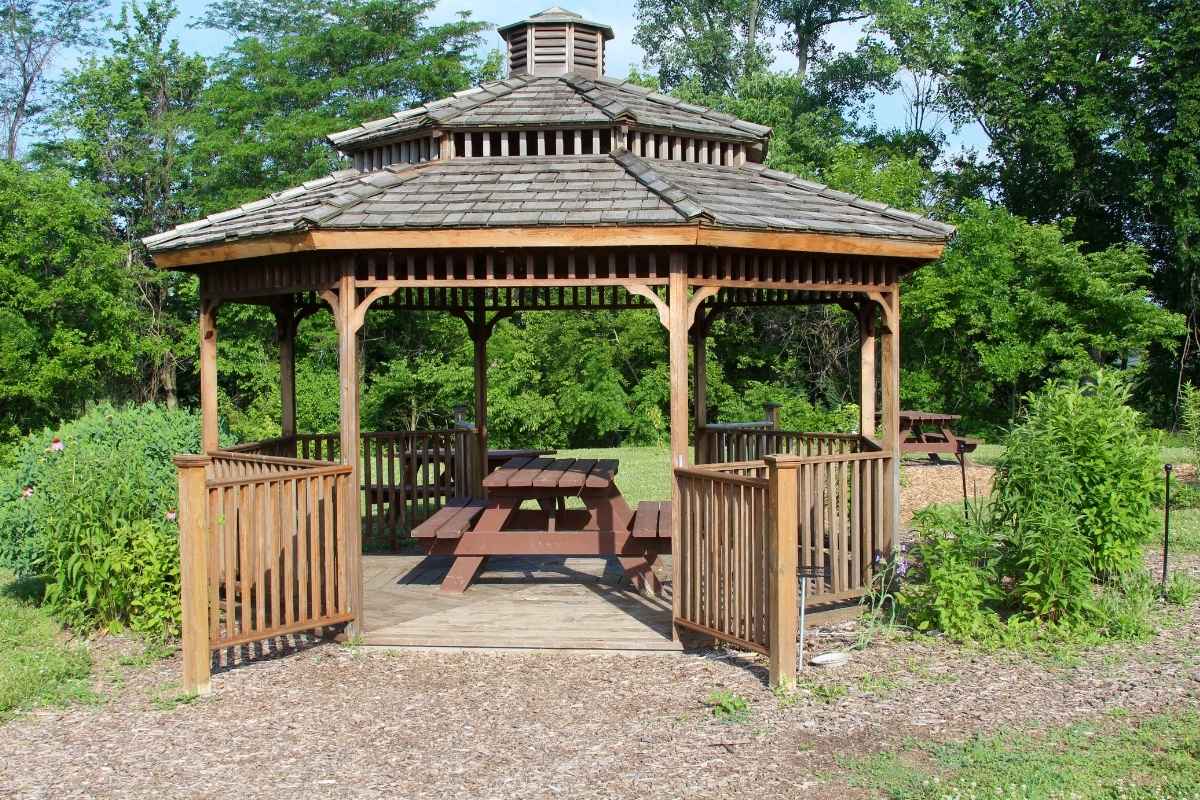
558 603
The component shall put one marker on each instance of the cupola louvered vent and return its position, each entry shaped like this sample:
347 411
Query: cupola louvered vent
555 42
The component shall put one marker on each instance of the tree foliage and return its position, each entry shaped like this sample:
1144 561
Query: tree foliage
66 311
123 125
299 70
1012 304
1093 115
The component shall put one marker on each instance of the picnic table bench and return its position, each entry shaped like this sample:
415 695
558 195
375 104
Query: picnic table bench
932 432
472 529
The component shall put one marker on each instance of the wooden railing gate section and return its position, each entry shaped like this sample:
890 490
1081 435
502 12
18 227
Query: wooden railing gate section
264 552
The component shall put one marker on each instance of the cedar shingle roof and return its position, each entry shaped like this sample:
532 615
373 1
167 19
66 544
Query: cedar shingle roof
617 188
528 100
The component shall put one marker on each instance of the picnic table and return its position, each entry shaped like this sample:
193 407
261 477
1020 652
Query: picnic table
932 432
472 529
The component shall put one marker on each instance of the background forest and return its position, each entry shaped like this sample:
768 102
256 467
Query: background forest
1078 225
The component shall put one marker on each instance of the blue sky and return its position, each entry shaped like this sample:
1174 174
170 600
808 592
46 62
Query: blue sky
887 110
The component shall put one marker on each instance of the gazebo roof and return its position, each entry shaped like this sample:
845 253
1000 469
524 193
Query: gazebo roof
617 188
536 101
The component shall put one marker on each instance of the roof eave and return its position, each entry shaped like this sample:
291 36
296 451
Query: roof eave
684 234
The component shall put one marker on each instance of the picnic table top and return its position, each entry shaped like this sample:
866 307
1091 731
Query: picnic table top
928 416
553 473
526 452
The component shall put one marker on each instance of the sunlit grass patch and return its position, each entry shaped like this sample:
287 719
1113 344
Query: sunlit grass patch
1157 758
38 667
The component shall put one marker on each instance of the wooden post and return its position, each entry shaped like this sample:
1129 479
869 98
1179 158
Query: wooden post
285 333
771 415
677 330
209 429
890 350
782 598
351 513
700 357
193 571
866 369
479 337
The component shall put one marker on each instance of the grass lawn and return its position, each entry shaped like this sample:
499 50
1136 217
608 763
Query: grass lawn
1185 530
37 667
1158 758
644 472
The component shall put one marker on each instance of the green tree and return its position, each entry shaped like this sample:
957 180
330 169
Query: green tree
298 70
709 45
121 123
1011 304
66 318
33 33
1093 115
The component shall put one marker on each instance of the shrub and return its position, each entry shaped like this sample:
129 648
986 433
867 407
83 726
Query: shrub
949 574
1080 454
1058 549
796 413
92 506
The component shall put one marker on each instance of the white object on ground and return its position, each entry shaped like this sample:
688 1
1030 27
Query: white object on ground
834 658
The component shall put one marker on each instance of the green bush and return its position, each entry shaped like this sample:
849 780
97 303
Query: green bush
1081 454
796 413
949 578
1057 551
92 507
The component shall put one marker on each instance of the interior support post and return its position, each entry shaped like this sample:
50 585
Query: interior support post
889 304
345 315
677 301
480 333
866 367
700 381
209 427
285 334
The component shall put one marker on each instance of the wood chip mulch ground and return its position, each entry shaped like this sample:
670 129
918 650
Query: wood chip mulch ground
334 721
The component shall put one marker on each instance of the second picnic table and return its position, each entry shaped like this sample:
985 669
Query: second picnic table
472 529
932 432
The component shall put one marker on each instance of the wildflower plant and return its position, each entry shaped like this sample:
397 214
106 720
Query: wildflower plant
92 506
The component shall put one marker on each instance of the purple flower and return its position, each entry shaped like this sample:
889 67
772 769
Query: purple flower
902 567
904 547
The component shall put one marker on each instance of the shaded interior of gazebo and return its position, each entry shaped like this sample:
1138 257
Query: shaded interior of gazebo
554 190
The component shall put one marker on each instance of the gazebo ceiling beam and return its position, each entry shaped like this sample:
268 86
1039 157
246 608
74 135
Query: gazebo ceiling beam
457 301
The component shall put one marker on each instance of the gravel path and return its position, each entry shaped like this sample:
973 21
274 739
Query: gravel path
333 721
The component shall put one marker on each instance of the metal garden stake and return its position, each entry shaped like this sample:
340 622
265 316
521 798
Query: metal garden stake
962 466
1166 521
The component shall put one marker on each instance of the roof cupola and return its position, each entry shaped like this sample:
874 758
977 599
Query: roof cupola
556 42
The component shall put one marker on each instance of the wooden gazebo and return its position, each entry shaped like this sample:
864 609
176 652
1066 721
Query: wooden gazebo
554 189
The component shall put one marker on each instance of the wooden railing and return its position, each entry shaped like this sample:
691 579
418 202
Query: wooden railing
265 550
748 527
718 444
404 476
407 476
843 503
722 553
